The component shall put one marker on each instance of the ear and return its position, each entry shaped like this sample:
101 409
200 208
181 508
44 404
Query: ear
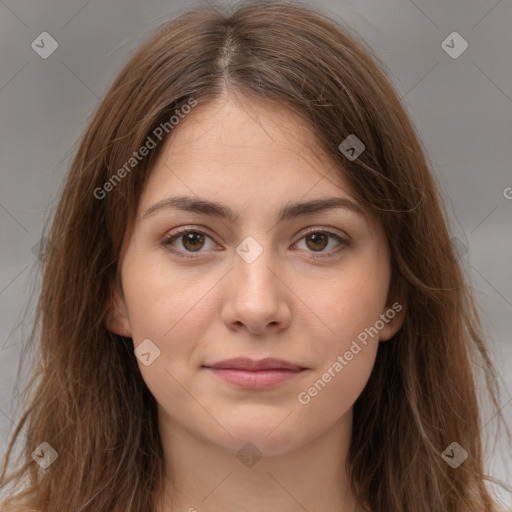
117 320
394 314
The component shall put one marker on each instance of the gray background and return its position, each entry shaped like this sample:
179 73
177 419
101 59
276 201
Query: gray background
461 107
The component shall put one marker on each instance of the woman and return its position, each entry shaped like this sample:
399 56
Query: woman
250 299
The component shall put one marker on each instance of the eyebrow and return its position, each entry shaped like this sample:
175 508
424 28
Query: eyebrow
288 212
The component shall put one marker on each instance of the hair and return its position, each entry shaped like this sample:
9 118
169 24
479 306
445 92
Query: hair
86 396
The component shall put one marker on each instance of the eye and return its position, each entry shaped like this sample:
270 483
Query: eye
191 240
317 240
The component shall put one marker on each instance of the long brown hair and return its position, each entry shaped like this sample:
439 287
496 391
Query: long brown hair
87 398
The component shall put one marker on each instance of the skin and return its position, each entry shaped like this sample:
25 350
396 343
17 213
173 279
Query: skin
286 304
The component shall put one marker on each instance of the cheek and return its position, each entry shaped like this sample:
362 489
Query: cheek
347 306
347 344
347 338
164 299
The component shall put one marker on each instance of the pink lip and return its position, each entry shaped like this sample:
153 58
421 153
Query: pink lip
252 374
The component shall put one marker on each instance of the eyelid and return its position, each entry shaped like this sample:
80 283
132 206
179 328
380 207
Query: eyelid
344 237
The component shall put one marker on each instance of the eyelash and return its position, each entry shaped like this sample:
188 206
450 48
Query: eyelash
174 235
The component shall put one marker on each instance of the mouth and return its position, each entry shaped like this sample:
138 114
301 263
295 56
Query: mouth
253 374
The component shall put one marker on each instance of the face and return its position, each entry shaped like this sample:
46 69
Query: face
208 283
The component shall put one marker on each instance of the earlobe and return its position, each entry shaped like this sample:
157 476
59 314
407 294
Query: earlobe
393 318
394 313
116 319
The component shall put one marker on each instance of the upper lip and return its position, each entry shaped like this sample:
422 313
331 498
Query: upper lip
243 363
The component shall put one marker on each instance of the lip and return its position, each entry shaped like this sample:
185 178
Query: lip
244 363
255 374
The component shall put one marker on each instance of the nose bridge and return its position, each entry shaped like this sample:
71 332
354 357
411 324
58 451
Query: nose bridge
253 263
256 297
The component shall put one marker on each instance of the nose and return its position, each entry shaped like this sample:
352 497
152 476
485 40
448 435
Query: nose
256 296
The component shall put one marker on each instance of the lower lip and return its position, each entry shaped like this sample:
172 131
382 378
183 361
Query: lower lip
260 379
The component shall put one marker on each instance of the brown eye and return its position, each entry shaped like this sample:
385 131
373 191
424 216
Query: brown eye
192 241
316 241
188 241
319 241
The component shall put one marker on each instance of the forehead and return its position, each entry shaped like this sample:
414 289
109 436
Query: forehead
246 150
242 125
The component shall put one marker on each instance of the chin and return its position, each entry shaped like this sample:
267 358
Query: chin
264 436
